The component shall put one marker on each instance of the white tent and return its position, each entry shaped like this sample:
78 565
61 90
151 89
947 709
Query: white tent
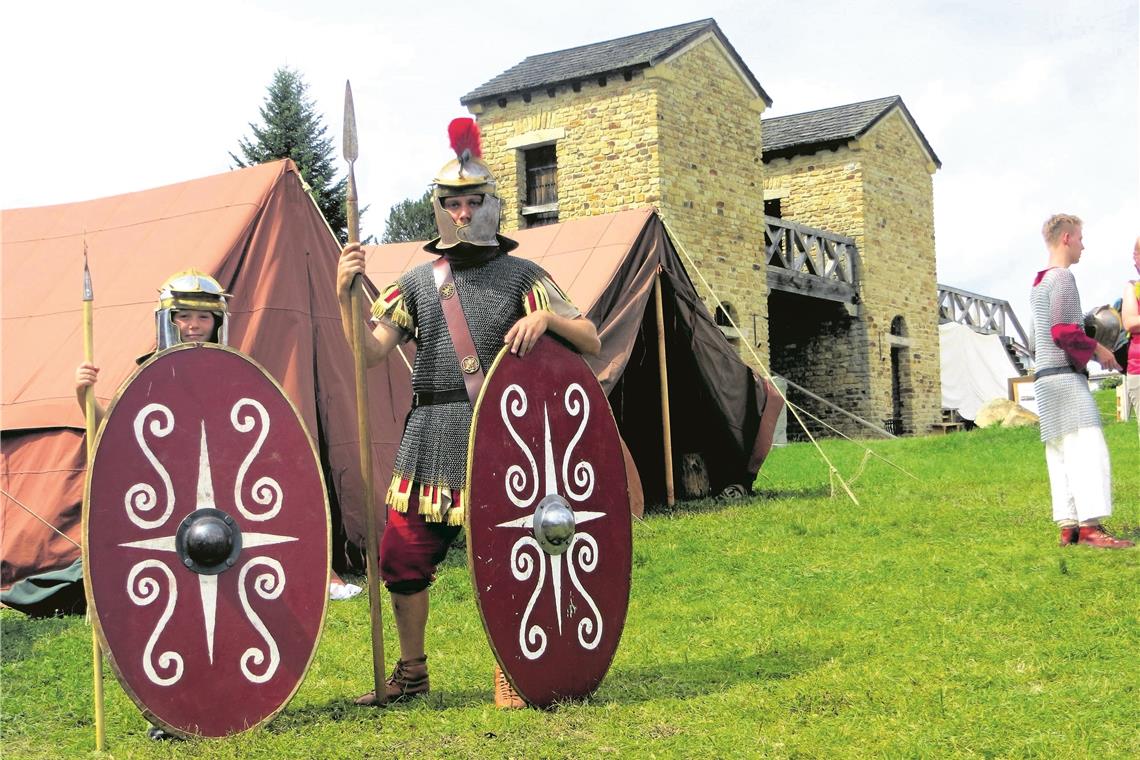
975 369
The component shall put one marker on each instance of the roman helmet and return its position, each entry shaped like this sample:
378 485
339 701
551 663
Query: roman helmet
466 174
190 289
1104 325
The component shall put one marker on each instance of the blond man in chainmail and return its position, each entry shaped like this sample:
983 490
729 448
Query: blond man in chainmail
1080 475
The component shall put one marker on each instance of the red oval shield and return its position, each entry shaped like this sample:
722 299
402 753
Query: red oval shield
553 601
206 542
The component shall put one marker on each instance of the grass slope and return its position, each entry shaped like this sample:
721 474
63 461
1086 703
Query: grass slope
937 618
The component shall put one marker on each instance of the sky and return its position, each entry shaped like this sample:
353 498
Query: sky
1031 105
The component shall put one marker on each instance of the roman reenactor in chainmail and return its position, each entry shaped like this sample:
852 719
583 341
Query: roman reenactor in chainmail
1080 476
506 300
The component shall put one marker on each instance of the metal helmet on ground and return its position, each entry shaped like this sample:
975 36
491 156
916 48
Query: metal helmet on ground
466 174
190 290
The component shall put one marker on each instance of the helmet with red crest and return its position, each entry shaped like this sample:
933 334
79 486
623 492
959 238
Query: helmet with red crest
466 174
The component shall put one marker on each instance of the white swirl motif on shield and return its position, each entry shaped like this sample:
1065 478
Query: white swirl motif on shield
584 549
577 402
266 491
516 477
141 497
268 586
148 590
522 567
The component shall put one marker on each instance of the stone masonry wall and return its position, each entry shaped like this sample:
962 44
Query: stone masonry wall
683 136
818 345
900 270
606 145
712 184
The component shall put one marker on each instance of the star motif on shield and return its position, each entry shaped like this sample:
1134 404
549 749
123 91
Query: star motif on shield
552 532
208 542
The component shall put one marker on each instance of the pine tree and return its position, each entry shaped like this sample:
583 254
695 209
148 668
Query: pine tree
292 128
410 220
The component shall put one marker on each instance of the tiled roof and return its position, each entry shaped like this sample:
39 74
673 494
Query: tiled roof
831 127
588 61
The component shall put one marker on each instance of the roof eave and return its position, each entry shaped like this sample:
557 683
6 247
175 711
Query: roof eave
672 51
470 99
808 147
803 149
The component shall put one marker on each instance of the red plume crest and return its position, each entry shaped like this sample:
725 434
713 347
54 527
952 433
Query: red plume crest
465 139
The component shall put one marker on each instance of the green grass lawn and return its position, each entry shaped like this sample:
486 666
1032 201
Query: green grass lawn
938 618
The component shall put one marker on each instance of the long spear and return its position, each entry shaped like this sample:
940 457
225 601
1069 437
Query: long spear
89 413
364 433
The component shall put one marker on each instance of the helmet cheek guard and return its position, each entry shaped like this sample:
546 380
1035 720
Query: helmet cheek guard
481 230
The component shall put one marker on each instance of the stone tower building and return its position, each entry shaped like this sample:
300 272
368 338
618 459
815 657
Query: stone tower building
672 118
862 171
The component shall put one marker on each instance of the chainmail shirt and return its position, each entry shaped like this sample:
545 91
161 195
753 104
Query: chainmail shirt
433 449
1064 402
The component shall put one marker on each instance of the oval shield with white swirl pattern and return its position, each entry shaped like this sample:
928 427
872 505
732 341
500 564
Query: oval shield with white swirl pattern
206 542
548 524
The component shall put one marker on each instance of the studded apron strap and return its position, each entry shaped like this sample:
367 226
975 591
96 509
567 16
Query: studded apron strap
457 327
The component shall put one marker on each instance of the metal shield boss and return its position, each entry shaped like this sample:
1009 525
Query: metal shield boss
206 542
549 539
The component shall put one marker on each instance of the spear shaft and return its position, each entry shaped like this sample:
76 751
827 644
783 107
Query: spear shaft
364 432
89 414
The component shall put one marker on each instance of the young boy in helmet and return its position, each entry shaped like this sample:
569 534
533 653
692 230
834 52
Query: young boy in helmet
506 300
191 309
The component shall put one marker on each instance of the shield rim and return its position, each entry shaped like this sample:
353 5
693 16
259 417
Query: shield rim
96 622
470 502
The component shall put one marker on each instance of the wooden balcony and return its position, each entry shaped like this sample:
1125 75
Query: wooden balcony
811 262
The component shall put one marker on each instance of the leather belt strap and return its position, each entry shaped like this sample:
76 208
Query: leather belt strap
461 338
1059 371
431 398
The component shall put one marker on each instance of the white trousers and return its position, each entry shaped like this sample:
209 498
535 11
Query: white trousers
1080 476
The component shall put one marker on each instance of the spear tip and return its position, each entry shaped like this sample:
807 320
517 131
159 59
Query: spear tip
88 292
348 142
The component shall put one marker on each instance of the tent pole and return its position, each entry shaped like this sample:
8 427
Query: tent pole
666 428
89 414
364 433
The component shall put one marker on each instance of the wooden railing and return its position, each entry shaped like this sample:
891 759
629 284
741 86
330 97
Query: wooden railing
985 315
811 262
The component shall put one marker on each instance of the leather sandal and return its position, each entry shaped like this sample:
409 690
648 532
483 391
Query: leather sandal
506 698
409 679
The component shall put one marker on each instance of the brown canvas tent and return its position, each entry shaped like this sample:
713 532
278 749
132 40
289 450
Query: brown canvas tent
607 265
258 232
